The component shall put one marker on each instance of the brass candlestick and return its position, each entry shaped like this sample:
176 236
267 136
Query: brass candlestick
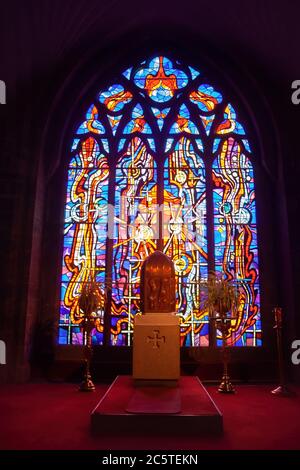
87 384
220 299
223 324
282 389
88 303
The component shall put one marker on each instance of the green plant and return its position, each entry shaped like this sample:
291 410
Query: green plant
92 303
218 295
220 299
90 300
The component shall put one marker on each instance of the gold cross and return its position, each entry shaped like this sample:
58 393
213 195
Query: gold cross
156 339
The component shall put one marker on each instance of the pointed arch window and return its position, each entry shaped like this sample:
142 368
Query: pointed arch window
159 161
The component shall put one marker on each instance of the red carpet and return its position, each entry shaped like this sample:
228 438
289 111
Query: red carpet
155 410
155 400
57 416
193 391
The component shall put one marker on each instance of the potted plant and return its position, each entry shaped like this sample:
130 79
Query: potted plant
220 298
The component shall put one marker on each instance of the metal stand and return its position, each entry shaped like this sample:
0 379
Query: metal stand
87 384
282 390
223 324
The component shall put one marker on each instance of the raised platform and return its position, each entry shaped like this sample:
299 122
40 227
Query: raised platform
198 413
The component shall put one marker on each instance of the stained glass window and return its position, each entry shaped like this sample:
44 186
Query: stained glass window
185 240
159 161
236 236
134 240
84 237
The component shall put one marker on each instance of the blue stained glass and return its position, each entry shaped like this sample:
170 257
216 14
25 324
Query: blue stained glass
160 115
121 144
84 247
216 144
207 123
138 122
199 144
91 124
105 145
206 98
134 234
239 129
235 236
230 124
63 336
151 143
183 123
127 73
194 73
247 145
75 161
184 112
114 122
115 98
169 143
160 79
185 238
75 144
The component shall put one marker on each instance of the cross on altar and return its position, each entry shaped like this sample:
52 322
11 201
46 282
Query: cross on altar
156 339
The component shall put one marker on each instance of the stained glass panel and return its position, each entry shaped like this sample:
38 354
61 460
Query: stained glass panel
134 235
84 238
236 253
185 238
160 79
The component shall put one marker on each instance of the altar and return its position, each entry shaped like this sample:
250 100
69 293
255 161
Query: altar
156 398
156 338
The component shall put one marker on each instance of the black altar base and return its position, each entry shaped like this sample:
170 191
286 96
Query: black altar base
196 412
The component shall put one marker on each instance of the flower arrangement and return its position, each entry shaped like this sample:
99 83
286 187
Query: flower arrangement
219 295
90 300
220 298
